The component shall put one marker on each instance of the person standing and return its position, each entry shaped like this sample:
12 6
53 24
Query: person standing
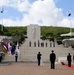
39 58
16 56
0 57
69 59
52 59
73 58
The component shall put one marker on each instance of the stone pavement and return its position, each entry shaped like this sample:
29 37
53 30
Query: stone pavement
29 54
33 69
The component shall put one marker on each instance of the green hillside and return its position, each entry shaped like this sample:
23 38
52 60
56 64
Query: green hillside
46 31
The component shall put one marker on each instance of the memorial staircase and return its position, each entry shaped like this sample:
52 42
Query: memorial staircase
29 54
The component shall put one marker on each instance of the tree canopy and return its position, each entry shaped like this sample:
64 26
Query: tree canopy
46 31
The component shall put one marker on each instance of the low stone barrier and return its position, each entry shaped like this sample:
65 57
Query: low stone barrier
60 59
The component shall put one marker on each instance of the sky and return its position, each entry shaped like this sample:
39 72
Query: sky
41 12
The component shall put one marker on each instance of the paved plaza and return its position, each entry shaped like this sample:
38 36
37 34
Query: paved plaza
33 69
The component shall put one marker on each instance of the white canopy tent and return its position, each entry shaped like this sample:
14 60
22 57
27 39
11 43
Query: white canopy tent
68 34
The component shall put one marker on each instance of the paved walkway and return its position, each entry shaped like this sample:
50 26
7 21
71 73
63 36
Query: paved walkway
33 69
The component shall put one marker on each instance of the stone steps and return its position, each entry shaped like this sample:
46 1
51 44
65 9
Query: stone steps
29 54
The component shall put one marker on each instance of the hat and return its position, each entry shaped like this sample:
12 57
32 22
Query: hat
52 51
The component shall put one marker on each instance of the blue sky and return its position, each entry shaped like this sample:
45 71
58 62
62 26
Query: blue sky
10 12
66 5
41 12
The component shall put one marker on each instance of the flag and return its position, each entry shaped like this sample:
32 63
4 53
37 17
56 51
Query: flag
6 43
17 45
13 50
4 49
17 48
9 48
69 13
2 10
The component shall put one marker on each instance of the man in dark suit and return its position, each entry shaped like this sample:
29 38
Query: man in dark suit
52 59
69 60
0 57
39 58
73 58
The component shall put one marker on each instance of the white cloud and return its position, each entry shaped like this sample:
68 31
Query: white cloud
23 6
66 23
8 2
44 10
3 2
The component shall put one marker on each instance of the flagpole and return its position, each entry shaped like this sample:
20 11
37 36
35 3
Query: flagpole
69 15
2 17
70 25
2 23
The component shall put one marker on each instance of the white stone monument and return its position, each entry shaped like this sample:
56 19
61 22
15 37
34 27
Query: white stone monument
33 32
